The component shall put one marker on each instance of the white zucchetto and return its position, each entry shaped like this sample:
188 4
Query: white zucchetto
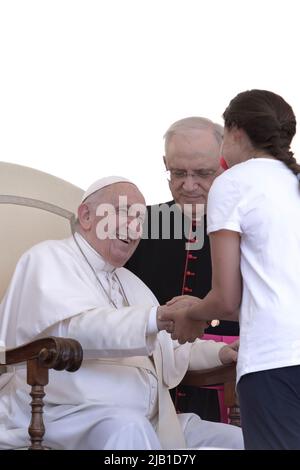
102 183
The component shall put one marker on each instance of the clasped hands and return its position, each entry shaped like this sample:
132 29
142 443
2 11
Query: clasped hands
174 318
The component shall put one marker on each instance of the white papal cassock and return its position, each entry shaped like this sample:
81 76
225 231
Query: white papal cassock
112 401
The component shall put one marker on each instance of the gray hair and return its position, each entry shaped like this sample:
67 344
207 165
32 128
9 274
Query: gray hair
193 123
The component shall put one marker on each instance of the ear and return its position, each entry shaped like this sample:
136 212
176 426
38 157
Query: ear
165 162
238 134
84 217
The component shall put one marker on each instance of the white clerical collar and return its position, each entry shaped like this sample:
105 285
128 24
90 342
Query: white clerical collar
94 258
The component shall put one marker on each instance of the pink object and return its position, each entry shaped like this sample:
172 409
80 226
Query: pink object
220 388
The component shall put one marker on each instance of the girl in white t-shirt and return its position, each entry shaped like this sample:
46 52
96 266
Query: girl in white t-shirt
254 227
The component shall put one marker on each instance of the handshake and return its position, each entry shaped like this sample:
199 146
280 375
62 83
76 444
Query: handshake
177 317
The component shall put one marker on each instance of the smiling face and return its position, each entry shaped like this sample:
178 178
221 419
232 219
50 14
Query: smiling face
197 153
111 221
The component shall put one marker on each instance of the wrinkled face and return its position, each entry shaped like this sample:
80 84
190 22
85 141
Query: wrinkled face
194 161
112 222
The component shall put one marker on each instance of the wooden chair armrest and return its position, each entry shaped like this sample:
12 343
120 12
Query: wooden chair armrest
51 353
214 376
40 356
218 375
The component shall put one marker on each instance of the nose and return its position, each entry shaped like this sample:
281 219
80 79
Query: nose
189 184
134 228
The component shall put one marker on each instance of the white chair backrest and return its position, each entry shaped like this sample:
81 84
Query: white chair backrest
34 206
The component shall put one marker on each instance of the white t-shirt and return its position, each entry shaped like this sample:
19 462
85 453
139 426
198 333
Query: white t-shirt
260 198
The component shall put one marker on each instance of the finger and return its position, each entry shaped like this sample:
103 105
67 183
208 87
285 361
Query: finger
163 316
169 327
182 340
174 300
191 340
234 357
174 335
235 345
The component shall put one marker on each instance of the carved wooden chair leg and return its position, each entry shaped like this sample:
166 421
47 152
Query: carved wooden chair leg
41 355
218 375
37 377
231 401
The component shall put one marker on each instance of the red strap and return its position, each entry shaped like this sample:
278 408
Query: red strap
223 164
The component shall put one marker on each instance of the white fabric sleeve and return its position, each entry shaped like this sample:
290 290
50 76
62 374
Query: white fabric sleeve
61 328
224 205
107 332
2 352
205 354
152 323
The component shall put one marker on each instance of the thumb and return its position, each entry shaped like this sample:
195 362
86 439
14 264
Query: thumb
235 345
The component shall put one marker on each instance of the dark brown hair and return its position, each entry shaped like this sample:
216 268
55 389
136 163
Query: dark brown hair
269 122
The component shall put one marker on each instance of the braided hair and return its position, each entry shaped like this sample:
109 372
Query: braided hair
269 122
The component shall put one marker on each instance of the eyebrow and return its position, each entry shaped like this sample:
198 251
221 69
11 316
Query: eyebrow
196 169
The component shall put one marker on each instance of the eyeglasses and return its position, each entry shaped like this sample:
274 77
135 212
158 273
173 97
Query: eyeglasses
197 175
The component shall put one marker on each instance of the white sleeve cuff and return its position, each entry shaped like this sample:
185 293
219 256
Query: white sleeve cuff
152 323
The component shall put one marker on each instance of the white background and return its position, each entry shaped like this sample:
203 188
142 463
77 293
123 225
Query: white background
88 88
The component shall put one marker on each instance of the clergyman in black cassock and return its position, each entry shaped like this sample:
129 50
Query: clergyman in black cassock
169 269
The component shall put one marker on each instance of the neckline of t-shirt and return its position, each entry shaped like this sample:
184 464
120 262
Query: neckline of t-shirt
252 160
265 159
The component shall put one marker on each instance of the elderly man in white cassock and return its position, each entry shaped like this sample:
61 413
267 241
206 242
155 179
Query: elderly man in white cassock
78 288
